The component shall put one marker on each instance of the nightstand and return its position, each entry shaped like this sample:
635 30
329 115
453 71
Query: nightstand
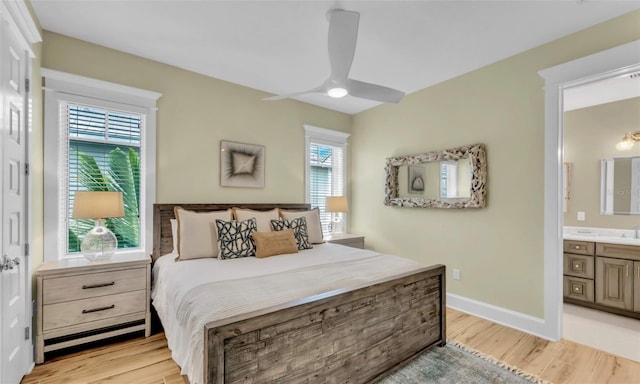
355 241
81 301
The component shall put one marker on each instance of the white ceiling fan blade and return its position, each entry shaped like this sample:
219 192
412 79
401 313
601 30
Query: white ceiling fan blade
374 92
291 95
343 34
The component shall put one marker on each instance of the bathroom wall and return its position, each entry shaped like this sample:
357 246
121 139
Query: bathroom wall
591 134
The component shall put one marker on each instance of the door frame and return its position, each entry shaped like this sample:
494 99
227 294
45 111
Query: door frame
617 61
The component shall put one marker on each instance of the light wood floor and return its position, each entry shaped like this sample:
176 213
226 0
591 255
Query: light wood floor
142 361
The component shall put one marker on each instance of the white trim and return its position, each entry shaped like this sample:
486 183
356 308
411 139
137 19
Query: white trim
612 62
323 136
23 20
62 87
507 317
328 137
29 344
99 89
326 134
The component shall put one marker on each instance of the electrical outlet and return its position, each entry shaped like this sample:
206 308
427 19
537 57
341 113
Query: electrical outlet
581 216
456 274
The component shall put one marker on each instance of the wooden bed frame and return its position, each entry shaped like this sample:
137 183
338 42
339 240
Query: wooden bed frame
352 335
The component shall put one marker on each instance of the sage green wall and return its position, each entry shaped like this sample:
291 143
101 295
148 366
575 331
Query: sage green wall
37 156
591 134
194 114
498 249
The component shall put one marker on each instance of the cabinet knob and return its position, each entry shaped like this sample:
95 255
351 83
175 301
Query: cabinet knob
577 266
577 247
576 289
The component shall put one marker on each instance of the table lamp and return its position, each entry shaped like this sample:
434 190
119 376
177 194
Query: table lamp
99 243
336 204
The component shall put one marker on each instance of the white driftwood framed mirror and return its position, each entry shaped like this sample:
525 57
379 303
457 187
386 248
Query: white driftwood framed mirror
451 178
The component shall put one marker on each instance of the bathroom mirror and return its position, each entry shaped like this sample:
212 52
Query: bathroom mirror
451 178
620 186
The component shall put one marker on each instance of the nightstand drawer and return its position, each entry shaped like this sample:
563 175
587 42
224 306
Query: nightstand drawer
98 308
77 287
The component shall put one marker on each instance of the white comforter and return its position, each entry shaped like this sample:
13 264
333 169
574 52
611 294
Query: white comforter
189 294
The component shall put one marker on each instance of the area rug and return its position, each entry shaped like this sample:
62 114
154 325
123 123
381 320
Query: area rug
456 364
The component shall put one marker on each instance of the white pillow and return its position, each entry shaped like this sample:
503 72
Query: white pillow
263 218
197 233
314 228
174 234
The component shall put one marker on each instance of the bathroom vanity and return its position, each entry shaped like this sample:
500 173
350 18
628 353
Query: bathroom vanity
603 273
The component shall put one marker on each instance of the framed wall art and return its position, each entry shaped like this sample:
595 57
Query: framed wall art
241 165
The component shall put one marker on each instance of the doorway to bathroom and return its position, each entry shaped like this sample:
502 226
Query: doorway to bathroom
601 193
618 61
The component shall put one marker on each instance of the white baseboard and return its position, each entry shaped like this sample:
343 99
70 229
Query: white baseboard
520 321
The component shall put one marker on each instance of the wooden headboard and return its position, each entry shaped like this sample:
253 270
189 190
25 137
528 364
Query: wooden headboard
162 213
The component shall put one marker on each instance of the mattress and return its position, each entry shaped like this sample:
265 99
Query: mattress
189 294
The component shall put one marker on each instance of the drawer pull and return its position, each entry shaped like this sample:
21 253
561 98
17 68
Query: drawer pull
577 266
98 285
98 309
577 247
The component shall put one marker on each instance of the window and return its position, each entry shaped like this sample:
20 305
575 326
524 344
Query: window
455 179
95 143
326 172
103 155
448 179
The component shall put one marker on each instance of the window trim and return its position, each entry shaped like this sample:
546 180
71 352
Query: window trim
61 86
327 137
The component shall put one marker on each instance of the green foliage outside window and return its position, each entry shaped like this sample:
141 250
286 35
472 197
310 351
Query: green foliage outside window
121 173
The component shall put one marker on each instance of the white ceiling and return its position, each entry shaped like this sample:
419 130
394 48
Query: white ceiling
281 46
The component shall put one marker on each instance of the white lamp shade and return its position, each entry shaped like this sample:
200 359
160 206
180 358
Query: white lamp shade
97 205
337 204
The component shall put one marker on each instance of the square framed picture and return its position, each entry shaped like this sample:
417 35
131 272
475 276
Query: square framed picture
241 165
417 179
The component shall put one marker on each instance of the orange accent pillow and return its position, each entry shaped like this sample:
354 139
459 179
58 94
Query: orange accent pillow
274 243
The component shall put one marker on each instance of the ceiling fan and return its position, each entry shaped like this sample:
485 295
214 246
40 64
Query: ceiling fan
343 34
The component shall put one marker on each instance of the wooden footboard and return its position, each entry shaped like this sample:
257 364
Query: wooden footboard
350 335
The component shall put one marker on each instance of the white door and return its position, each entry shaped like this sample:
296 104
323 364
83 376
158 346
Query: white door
14 337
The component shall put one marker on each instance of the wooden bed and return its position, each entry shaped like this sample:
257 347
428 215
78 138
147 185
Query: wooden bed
352 335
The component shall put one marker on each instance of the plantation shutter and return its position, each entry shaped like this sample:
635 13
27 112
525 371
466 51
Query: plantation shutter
326 177
111 141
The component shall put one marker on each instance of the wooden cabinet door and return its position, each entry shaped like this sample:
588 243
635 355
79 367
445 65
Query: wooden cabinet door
636 286
614 282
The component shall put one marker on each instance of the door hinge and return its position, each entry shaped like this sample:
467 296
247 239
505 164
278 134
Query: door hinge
27 85
26 249
27 334
27 169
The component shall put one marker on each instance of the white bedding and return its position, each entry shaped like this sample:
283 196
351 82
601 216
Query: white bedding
189 294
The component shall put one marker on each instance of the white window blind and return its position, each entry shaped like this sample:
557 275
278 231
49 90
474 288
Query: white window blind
103 154
326 171
326 178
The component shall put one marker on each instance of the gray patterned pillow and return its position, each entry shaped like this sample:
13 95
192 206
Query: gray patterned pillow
299 226
234 238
